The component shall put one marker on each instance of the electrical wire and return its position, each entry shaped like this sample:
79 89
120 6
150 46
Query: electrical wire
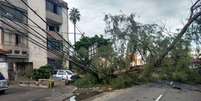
43 20
40 45
15 8
40 27
21 26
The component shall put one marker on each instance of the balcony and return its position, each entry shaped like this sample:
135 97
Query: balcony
15 51
53 18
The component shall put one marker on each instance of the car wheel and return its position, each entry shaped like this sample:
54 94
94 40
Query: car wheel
2 92
66 82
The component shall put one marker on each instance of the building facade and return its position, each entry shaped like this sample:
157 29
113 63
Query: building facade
55 13
23 55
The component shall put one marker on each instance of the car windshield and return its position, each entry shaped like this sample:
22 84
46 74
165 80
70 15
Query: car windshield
69 72
61 73
1 77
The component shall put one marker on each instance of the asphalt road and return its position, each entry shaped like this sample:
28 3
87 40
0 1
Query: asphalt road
16 93
150 92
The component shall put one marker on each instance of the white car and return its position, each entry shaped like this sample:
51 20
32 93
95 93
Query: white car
64 75
3 83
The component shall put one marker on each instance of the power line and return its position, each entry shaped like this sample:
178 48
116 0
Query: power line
78 29
36 32
26 29
46 32
27 35
39 44
15 8
82 33
43 20
23 34
21 26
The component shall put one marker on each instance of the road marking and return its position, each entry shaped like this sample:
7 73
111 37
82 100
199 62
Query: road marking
158 99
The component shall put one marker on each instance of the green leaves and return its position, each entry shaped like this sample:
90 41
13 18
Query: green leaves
74 15
86 42
130 36
44 72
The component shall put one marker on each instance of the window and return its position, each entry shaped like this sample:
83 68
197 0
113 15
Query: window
57 28
55 44
61 73
54 28
15 15
53 7
51 28
24 52
17 39
50 6
24 41
70 73
17 52
10 52
7 40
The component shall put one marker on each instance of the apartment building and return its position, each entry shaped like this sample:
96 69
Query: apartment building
21 54
55 13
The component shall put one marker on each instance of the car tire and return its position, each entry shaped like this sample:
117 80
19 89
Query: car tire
2 92
66 82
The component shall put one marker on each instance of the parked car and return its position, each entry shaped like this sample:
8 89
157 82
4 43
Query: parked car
65 75
3 83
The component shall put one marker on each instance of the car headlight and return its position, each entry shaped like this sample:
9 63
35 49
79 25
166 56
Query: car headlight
5 84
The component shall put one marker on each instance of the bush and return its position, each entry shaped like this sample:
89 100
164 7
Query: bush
44 72
180 76
124 81
184 75
87 81
194 77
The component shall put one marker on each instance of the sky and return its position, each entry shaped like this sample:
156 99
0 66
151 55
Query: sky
171 13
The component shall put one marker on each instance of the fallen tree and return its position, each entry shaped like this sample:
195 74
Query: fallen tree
195 13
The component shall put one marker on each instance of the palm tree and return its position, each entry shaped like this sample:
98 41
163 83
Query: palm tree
74 17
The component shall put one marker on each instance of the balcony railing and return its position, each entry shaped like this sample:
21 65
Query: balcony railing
16 50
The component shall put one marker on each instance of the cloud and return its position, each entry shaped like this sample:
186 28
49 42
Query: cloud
171 12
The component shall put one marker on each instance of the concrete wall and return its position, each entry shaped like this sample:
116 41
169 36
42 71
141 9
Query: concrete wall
54 17
65 31
1 37
37 55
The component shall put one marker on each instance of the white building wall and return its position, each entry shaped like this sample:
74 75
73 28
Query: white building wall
64 30
1 38
37 55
